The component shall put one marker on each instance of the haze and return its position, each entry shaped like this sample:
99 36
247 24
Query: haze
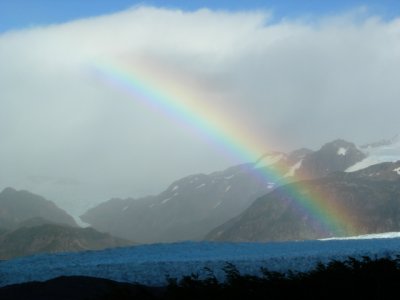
293 82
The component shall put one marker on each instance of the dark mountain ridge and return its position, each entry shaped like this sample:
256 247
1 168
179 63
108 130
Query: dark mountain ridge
370 197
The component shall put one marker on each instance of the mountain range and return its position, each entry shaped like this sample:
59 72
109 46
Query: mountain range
186 210
193 206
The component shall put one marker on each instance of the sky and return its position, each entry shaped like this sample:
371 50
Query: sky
20 14
102 99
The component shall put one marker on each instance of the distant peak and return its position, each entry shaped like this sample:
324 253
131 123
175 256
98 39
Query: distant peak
395 138
339 144
9 190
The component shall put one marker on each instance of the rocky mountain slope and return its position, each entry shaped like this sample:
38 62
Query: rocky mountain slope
370 198
187 209
194 205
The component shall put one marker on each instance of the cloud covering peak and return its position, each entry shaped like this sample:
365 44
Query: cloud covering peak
291 83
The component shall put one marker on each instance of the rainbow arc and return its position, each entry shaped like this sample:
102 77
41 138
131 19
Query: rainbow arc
161 94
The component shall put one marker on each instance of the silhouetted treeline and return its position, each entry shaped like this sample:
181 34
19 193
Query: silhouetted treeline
367 278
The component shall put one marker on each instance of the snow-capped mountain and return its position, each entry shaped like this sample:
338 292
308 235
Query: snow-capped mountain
335 156
372 177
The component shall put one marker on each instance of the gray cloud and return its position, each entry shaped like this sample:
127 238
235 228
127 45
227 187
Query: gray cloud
293 82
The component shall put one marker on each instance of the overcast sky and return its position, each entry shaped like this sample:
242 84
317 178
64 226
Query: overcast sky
296 81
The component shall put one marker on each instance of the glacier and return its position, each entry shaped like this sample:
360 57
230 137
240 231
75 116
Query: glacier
388 151
153 264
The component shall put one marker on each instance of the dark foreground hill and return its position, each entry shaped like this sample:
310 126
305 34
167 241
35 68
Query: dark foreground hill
76 288
51 238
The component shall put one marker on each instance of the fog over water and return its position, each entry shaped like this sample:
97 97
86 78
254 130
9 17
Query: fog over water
78 139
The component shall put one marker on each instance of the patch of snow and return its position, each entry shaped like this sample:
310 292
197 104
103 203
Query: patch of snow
365 163
166 200
293 169
218 204
200 186
342 151
150 264
385 235
227 188
81 223
270 185
194 179
175 188
268 160
229 177
125 208
397 170
175 194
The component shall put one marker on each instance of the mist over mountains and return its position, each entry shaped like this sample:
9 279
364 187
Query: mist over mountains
247 202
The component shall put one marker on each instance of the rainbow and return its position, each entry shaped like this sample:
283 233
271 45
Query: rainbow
180 100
